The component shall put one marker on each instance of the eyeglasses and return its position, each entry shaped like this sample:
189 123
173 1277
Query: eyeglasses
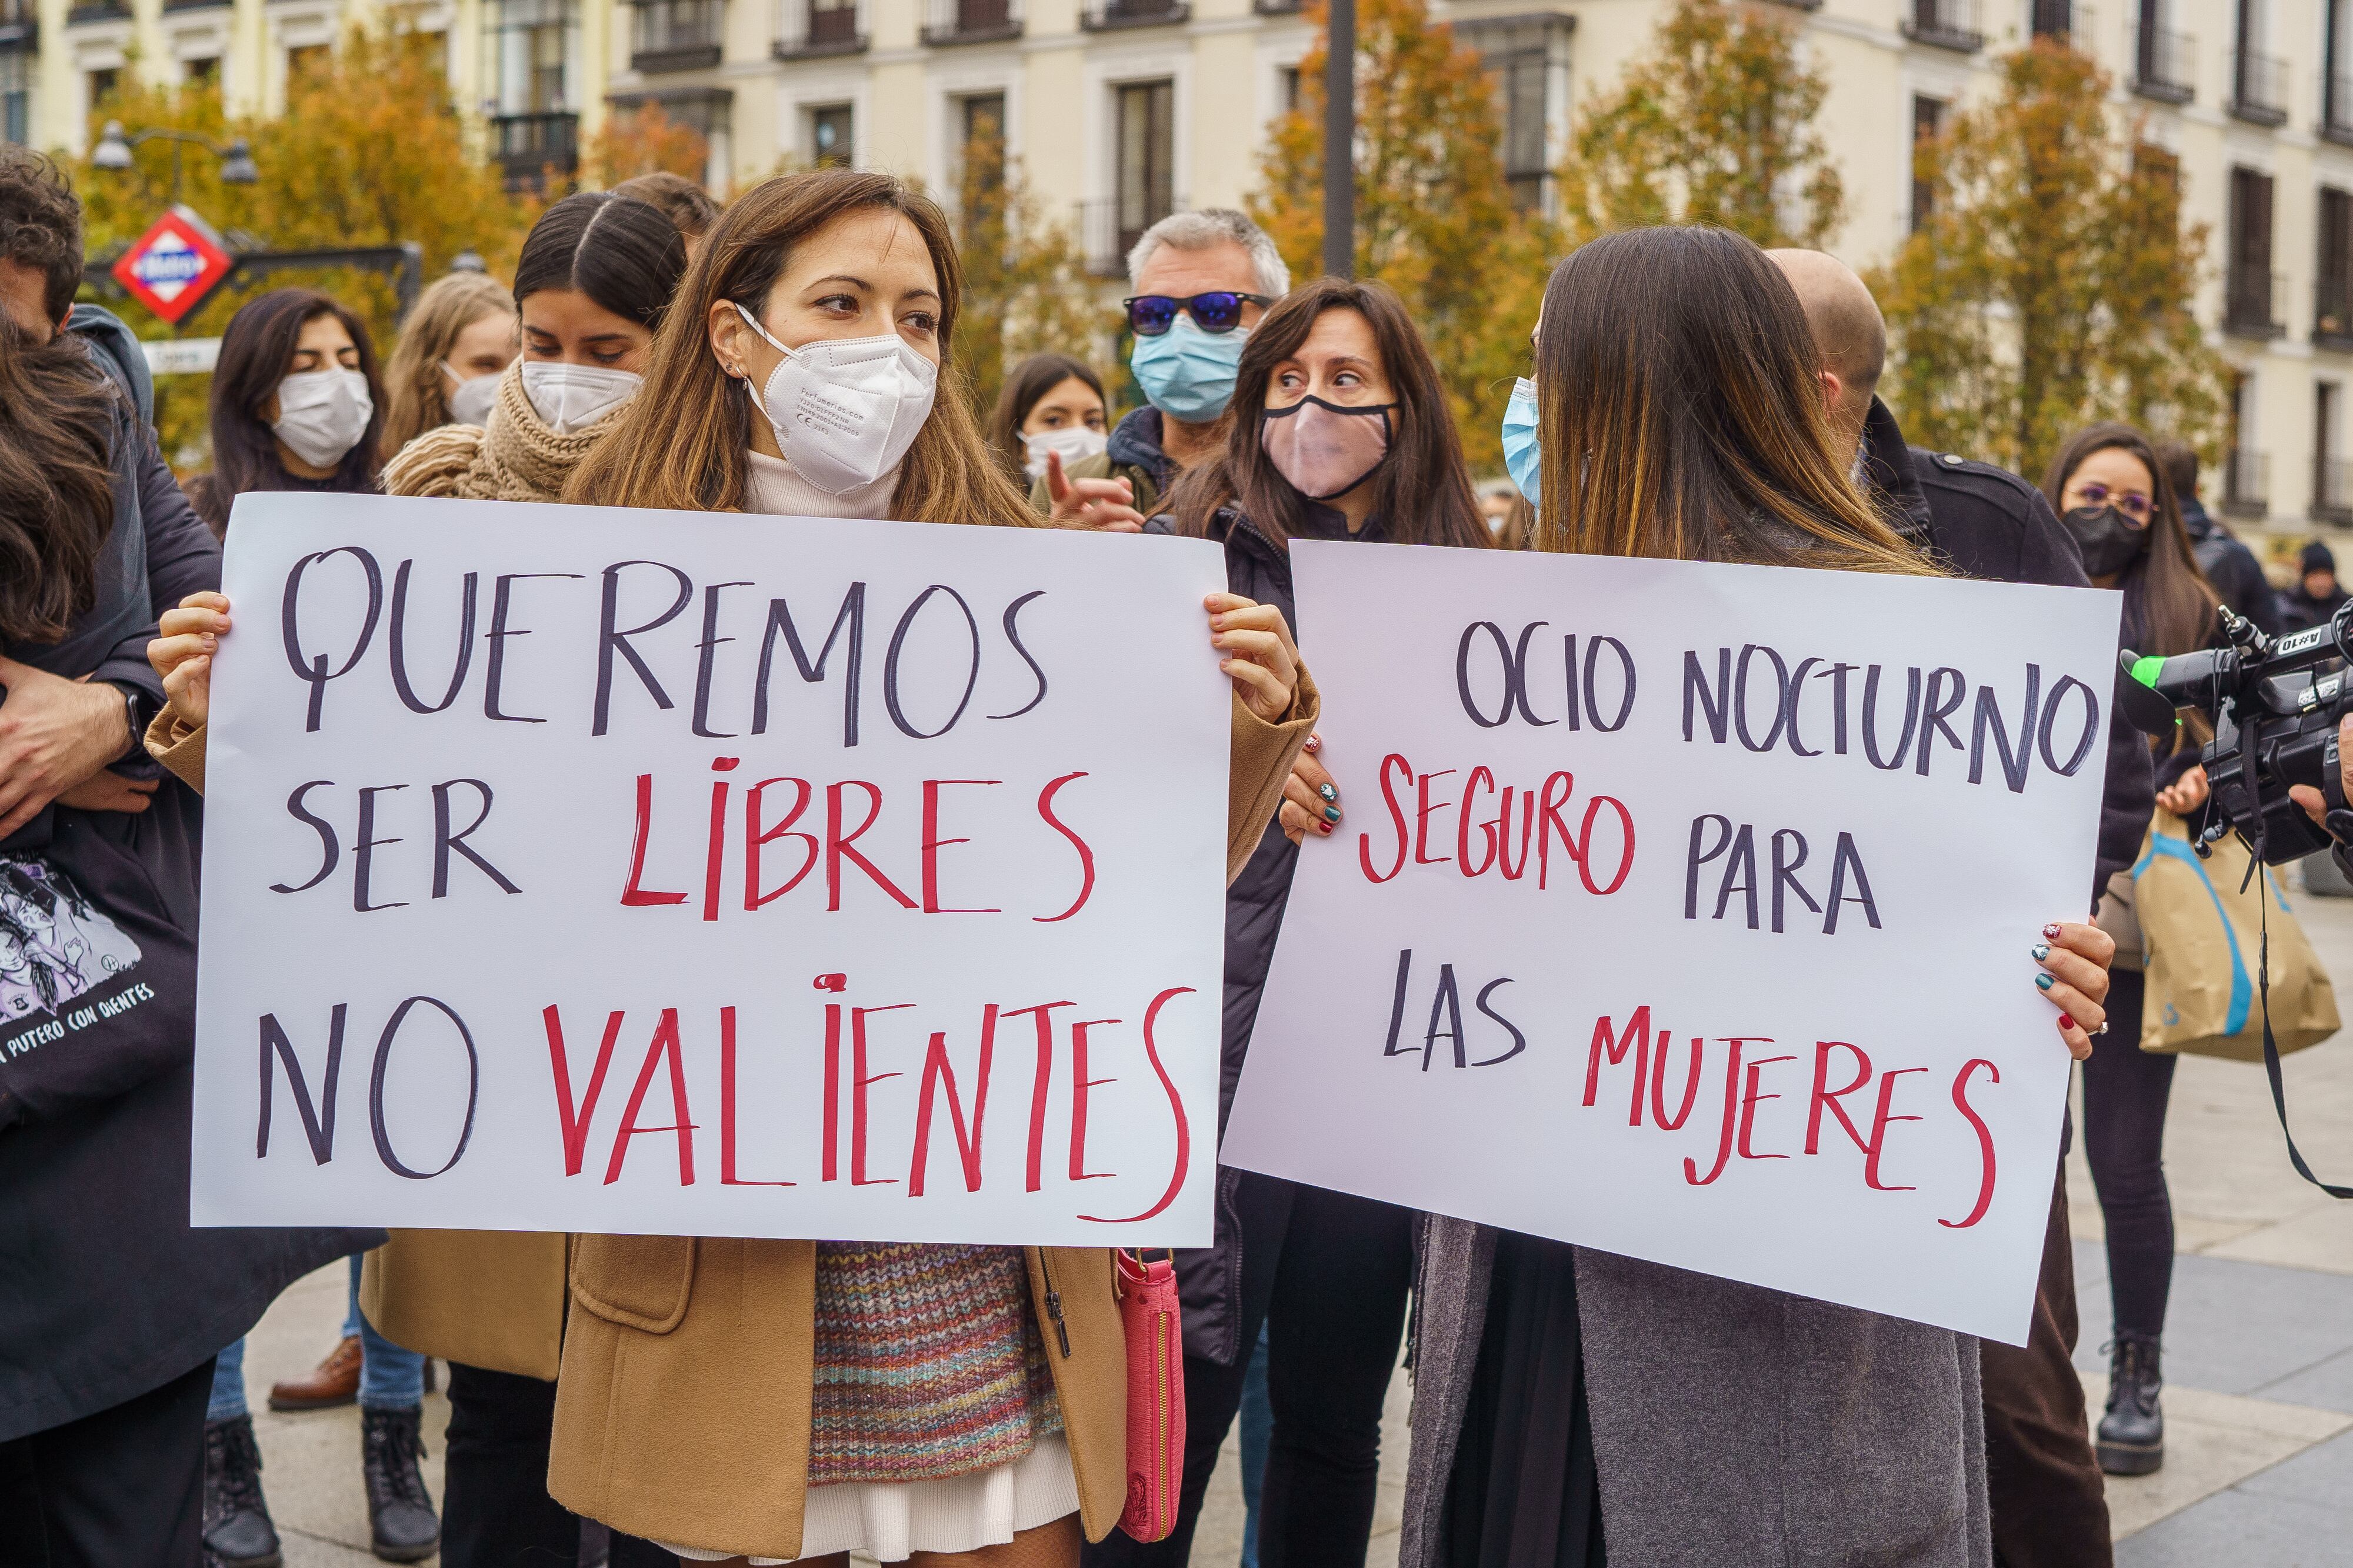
2132 503
1149 315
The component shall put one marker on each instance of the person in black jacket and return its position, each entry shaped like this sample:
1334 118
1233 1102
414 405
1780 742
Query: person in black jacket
2049 1503
2229 565
2316 594
1347 435
111 1305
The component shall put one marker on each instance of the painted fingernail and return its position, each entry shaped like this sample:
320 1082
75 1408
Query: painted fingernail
2066 1022
211 642
1327 792
2041 950
1315 743
2045 981
2052 931
1323 828
1331 814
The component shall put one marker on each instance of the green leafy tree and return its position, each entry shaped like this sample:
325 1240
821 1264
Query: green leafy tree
1026 285
1713 124
1435 219
2053 280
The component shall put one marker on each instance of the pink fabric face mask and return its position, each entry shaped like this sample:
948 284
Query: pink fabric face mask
1326 450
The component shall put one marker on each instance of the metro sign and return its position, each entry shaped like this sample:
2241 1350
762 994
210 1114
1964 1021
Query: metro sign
174 263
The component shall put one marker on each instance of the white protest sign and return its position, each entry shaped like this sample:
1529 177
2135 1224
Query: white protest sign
1683 910
574 868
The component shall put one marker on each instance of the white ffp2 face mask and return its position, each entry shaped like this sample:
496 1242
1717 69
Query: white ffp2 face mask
1076 443
471 396
845 410
569 398
322 414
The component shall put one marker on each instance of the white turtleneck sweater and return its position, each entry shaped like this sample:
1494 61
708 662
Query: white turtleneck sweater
775 488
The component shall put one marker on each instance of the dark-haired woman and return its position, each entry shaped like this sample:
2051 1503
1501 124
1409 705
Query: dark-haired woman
1349 439
296 403
2118 502
1572 1406
597 271
1051 403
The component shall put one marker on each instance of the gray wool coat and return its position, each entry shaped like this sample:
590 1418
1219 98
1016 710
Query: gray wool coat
1732 1426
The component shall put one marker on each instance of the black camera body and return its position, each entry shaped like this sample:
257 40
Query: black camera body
2275 703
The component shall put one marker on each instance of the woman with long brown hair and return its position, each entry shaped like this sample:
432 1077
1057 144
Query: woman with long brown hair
296 403
2118 502
761 1419
445 368
1566 1397
1339 430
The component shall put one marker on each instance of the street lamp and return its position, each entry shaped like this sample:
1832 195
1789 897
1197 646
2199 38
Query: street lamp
113 153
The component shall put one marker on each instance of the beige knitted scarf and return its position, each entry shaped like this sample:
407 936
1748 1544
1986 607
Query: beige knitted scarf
514 458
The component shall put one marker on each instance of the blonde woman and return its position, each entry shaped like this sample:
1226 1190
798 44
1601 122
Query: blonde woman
460 335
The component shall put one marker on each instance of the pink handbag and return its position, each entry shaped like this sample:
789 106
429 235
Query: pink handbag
1155 1393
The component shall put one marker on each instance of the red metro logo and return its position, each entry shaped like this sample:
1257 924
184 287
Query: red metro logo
175 264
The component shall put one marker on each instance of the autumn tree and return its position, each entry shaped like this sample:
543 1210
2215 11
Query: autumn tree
1434 218
1026 289
643 140
2051 281
370 152
1713 124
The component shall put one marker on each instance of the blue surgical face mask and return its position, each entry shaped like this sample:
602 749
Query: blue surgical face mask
1187 374
1522 456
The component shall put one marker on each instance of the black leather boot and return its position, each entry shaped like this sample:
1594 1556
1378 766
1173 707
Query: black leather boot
2132 1433
402 1524
237 1532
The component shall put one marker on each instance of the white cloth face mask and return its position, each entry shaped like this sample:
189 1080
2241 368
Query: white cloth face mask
569 398
1074 442
845 410
322 414
470 397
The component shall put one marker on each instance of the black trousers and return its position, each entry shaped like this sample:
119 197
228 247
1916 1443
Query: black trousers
125 1486
1335 1314
2125 1091
495 1510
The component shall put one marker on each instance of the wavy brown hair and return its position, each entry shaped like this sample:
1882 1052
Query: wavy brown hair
2168 604
1029 381
682 442
1423 491
416 387
57 485
1680 414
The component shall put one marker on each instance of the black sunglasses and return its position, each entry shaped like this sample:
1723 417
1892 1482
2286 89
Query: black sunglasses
1149 315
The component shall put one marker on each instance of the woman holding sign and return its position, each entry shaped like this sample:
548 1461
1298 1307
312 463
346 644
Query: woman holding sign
1564 1396
1352 440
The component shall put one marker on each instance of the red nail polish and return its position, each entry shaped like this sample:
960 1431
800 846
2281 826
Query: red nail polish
1324 827
2052 931
2066 1022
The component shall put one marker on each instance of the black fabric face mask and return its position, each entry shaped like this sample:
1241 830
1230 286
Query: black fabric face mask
2109 540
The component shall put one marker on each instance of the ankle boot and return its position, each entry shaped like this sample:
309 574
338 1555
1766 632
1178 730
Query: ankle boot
2132 1433
237 1529
402 1524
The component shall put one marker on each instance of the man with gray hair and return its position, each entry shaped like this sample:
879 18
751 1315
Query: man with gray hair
1201 281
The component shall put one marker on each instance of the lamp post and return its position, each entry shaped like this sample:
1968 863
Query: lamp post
114 146
1340 140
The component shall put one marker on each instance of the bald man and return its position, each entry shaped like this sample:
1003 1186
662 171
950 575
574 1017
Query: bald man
2049 1506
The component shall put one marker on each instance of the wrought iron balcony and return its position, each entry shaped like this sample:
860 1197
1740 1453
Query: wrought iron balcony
970 21
2337 108
2258 88
2332 490
1946 24
2247 483
527 145
677 35
2164 65
2250 296
1103 15
2332 313
806 29
99 11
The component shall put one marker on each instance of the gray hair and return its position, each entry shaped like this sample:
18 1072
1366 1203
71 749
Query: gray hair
1214 226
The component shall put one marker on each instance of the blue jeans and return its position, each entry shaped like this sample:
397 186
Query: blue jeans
1257 1425
390 1378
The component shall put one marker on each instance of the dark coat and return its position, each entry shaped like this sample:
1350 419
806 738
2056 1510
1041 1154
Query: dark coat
1253 1210
1989 523
2232 567
1132 454
106 1290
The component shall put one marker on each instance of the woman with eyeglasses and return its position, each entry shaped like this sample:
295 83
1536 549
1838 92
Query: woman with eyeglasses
1341 431
2119 504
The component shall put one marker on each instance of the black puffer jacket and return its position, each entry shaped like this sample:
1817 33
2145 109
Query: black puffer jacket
1253 1210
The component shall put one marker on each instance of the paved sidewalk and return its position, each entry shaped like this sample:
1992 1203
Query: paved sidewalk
2259 1343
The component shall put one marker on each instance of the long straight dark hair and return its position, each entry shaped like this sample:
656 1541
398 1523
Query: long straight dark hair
255 347
1030 380
2168 604
1422 493
1680 412
57 487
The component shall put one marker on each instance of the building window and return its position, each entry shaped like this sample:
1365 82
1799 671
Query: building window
980 125
201 73
2332 290
2161 57
1928 124
1147 145
2332 497
528 48
2258 77
1290 90
103 84
16 96
831 142
302 62
2054 19
2246 473
1526 59
2336 73
677 35
2248 284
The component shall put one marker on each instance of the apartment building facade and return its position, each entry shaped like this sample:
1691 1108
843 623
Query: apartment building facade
1123 111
